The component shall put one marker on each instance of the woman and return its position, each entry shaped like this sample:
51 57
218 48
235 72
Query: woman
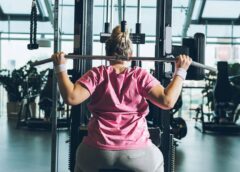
118 136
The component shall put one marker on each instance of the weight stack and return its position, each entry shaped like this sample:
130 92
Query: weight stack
197 53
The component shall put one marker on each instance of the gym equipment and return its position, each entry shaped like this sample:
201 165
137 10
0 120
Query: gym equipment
82 42
224 106
90 57
104 36
26 117
178 124
196 47
178 127
136 38
33 27
55 93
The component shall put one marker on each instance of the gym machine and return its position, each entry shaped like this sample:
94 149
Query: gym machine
164 48
225 106
83 50
26 117
83 31
137 37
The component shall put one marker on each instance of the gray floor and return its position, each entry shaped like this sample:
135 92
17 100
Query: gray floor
208 152
30 151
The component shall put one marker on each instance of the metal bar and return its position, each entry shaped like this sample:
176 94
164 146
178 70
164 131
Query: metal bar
40 8
55 92
107 11
138 11
1 52
83 18
162 119
188 18
124 10
147 41
111 16
92 57
139 30
49 11
119 11
215 21
134 6
201 10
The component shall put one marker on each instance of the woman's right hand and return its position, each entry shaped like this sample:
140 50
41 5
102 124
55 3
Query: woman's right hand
183 61
59 58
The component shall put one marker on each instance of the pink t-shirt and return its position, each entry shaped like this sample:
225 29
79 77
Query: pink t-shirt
118 106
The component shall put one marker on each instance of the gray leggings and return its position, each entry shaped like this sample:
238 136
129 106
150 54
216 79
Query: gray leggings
90 159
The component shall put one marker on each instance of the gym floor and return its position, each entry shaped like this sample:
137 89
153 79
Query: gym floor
30 151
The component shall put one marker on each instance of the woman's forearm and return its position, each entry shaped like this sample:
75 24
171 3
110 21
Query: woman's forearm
66 86
173 90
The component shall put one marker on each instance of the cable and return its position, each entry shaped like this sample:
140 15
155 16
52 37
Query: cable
33 27
123 22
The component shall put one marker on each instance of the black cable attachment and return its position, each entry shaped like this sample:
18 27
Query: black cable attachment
33 27
138 28
138 37
107 27
104 36
123 26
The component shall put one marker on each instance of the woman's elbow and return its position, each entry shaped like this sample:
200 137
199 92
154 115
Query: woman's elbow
168 103
70 101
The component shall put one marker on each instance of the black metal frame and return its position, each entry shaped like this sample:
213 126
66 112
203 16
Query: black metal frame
55 93
162 117
214 21
83 19
22 17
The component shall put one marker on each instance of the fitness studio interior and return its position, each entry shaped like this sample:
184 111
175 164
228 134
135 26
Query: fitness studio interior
190 116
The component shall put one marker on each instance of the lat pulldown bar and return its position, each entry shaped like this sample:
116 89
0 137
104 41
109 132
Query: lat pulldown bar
91 57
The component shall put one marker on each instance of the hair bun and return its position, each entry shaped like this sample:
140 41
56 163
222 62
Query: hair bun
118 35
119 43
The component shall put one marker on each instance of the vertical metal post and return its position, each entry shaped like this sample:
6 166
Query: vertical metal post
232 34
163 43
1 90
76 111
124 10
0 50
107 24
89 32
107 8
111 17
138 22
55 92
83 22
139 11
119 11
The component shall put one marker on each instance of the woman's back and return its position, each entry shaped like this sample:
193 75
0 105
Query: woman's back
118 106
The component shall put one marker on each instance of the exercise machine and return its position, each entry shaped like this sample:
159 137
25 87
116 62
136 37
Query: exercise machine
223 118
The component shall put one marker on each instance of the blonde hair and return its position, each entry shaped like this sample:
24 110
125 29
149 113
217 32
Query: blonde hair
119 43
